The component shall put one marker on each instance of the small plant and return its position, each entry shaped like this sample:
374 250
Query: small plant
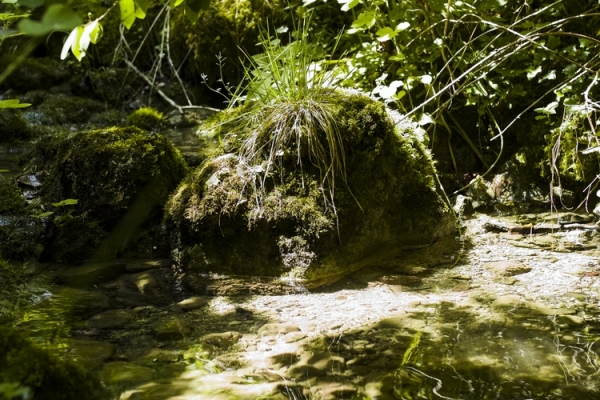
147 118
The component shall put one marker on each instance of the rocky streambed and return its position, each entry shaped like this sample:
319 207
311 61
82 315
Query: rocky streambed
508 315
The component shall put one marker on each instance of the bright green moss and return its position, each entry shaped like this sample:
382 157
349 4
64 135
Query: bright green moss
147 118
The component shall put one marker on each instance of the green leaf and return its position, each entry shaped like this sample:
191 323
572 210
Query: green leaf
13 103
127 8
175 3
518 90
366 19
2 171
31 3
348 4
194 7
141 8
56 18
43 215
8 16
385 34
66 202
8 1
532 71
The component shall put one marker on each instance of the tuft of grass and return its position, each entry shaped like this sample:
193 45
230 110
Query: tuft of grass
289 101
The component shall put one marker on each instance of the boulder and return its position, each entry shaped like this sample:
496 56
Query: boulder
283 217
120 177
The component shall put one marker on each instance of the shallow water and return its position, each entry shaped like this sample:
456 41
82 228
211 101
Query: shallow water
449 349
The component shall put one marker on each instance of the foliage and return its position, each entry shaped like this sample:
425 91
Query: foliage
147 118
489 61
59 16
212 50
289 102
46 376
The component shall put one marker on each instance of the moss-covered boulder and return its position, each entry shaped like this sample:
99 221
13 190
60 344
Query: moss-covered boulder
13 126
282 218
224 29
120 177
147 118
33 373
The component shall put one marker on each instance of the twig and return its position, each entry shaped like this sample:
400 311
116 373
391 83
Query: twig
162 94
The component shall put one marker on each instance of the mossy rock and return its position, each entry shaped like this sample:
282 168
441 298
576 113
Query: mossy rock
11 200
225 28
291 227
34 73
44 376
121 178
13 126
111 85
147 118
62 109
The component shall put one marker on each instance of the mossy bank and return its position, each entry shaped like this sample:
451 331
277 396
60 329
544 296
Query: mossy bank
280 218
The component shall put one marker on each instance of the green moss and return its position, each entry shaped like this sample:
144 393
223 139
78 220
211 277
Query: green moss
117 174
13 126
46 376
11 200
61 109
33 74
285 221
225 28
147 118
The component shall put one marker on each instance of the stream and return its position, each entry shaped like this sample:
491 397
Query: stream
516 317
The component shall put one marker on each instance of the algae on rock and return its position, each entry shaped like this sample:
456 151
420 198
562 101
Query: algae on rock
42 375
233 217
121 178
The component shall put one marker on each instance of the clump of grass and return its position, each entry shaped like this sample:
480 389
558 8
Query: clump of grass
289 102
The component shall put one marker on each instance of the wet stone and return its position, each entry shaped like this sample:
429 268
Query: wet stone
144 265
571 320
232 360
89 353
284 359
400 280
506 280
292 337
274 329
170 329
303 372
506 302
88 275
82 303
124 374
223 340
193 303
507 268
113 319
